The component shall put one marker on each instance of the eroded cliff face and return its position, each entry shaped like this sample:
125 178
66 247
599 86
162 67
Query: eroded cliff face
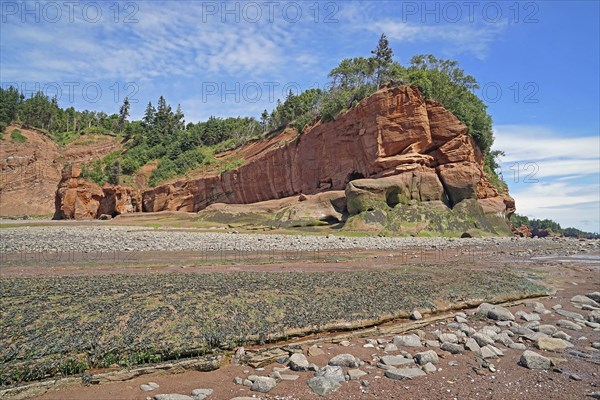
77 198
421 149
30 171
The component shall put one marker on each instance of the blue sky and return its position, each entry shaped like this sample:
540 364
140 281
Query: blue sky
538 64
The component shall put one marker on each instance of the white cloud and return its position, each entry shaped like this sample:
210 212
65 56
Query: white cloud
458 38
533 143
568 204
552 175
462 36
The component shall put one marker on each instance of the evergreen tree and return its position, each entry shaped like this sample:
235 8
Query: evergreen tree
178 117
123 113
264 119
149 116
383 55
10 100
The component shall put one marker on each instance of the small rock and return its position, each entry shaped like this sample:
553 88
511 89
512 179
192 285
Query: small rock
552 344
344 360
517 346
575 377
429 368
201 394
334 373
566 324
532 360
584 300
547 329
323 386
344 343
404 373
356 374
425 357
395 361
263 384
238 381
594 316
486 352
172 396
390 347
594 296
416 315
448 338
482 340
562 335
298 362
452 348
410 340
569 314
471 344
499 313
530 317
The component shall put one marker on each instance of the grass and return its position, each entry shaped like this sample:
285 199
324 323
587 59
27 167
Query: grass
17 136
231 165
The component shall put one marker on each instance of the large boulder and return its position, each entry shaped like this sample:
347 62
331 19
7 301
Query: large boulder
420 184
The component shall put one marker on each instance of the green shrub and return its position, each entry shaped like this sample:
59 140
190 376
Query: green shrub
233 164
17 136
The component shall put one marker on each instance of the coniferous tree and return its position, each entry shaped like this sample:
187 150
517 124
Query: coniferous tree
123 114
149 115
383 55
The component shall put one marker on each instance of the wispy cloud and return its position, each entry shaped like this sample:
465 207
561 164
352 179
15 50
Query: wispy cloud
464 36
552 174
533 143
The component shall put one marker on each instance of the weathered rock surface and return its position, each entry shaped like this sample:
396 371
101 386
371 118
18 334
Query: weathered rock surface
263 384
532 360
410 340
404 373
395 148
77 198
344 360
31 171
323 386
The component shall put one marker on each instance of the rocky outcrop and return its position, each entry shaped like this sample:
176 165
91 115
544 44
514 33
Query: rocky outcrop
30 170
395 162
78 198
394 132
29 173
298 211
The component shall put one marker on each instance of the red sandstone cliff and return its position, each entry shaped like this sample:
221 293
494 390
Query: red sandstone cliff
394 132
77 198
30 171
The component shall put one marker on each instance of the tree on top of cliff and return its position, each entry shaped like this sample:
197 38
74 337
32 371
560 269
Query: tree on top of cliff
123 113
10 100
383 55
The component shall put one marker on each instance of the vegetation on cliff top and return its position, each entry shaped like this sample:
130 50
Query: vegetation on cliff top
163 135
548 227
